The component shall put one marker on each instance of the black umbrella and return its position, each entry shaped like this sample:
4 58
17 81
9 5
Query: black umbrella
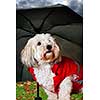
59 20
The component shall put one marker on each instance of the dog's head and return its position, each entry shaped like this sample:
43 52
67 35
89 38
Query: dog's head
42 48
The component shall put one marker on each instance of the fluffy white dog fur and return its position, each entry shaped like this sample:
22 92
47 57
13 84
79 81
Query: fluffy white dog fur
42 51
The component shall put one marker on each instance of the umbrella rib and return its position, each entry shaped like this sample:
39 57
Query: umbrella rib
41 26
24 36
25 29
56 26
29 21
68 39
31 35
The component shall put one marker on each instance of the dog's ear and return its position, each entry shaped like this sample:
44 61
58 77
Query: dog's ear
27 53
59 59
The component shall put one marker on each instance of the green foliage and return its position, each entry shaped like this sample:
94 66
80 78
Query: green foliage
77 96
27 91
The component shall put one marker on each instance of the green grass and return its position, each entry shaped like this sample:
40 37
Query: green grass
27 91
76 97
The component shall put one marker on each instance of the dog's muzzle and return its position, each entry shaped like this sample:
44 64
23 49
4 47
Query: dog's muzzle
48 55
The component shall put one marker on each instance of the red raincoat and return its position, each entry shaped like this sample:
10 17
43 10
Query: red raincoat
64 69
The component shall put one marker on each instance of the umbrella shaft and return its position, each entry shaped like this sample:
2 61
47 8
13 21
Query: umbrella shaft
37 89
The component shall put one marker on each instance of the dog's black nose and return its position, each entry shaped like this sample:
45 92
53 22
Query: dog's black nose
49 47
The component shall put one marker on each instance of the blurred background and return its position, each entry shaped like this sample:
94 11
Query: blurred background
76 5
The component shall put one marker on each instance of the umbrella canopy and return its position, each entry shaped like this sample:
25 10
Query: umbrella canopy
60 21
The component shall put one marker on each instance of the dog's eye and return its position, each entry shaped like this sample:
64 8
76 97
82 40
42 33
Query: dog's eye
39 43
49 40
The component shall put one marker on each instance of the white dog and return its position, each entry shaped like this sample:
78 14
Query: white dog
44 61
